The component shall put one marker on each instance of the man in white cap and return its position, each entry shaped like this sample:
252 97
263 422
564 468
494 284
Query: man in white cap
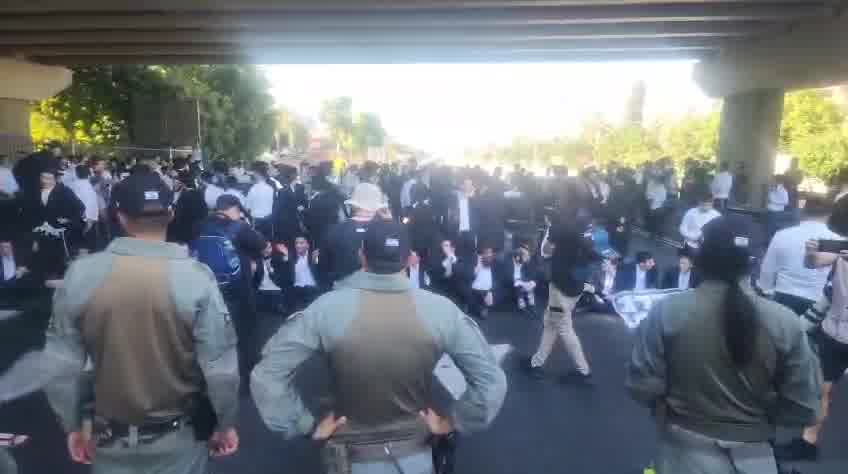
338 253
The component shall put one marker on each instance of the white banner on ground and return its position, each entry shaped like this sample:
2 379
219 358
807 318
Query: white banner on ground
633 306
451 377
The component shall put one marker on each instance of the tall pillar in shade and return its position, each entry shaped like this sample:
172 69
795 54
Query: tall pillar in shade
748 139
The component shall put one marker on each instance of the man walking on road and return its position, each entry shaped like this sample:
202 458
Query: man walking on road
383 340
154 324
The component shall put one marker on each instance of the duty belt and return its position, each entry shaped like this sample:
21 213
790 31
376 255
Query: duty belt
108 431
339 456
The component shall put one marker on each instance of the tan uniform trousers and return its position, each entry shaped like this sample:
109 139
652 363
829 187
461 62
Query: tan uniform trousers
559 322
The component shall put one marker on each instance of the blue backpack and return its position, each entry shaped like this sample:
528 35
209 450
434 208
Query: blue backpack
215 248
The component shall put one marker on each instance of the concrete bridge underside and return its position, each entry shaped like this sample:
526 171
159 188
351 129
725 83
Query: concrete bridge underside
749 51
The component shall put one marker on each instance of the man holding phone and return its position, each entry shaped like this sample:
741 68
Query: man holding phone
783 273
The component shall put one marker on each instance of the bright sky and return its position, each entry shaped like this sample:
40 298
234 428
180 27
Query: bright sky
445 108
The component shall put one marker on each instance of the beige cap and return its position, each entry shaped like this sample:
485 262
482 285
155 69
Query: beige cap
369 197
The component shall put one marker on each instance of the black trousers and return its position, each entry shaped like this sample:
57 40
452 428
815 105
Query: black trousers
243 317
270 301
795 303
302 296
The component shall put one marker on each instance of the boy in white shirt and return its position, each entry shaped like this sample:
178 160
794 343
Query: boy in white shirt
695 219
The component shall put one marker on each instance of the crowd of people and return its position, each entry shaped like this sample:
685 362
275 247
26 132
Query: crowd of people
339 253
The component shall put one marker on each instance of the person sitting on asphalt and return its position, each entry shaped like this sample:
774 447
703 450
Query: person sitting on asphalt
642 275
720 367
521 274
683 276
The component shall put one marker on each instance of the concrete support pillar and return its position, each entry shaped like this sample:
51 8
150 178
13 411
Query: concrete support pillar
22 82
748 138
14 125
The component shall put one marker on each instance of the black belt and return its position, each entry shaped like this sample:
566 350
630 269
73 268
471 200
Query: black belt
108 430
389 450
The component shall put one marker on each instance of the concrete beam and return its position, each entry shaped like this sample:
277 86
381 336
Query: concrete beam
296 32
55 6
22 80
364 56
811 55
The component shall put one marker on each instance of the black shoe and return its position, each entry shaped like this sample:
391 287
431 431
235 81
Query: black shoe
577 378
796 450
537 373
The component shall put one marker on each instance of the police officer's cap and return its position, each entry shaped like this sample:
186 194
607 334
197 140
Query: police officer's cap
386 246
143 194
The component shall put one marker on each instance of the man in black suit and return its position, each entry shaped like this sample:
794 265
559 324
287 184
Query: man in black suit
684 276
272 279
642 275
302 275
491 215
521 273
604 280
417 274
462 221
288 206
483 290
449 272
189 210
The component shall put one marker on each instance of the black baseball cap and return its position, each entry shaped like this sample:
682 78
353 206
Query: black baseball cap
227 201
386 246
143 194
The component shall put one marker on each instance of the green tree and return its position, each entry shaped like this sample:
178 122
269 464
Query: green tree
693 136
630 145
807 113
822 155
337 115
368 131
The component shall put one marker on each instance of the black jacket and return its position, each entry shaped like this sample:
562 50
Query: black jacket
281 273
288 221
61 204
491 217
189 210
339 251
625 278
529 271
673 274
423 228
325 206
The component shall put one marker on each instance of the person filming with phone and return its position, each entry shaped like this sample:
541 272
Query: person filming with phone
827 323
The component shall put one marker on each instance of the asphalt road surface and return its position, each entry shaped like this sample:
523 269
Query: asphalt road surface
544 427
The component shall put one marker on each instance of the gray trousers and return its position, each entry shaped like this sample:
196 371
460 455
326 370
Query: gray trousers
174 453
421 463
683 451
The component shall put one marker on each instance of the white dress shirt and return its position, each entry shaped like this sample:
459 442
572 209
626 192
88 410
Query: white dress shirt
656 193
721 185
406 193
483 280
211 195
778 198
85 192
267 283
45 195
9 268
516 274
641 279
303 273
464 215
448 263
609 283
683 280
8 183
693 222
783 267
260 200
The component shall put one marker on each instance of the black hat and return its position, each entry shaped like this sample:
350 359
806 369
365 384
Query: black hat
729 243
386 246
143 194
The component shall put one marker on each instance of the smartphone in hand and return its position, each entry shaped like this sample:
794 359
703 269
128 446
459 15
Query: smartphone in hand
833 246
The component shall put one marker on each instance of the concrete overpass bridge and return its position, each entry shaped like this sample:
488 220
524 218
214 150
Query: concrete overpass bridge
749 51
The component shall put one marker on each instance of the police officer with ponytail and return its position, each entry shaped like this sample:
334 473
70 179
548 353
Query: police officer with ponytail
722 367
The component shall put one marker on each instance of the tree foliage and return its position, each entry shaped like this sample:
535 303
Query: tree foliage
813 130
337 115
237 116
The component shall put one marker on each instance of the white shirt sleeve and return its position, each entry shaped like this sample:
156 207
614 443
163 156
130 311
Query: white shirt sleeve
689 227
768 268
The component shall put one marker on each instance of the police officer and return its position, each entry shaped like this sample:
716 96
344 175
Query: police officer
383 340
161 394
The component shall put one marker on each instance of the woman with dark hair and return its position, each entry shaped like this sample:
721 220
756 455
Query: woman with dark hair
721 367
